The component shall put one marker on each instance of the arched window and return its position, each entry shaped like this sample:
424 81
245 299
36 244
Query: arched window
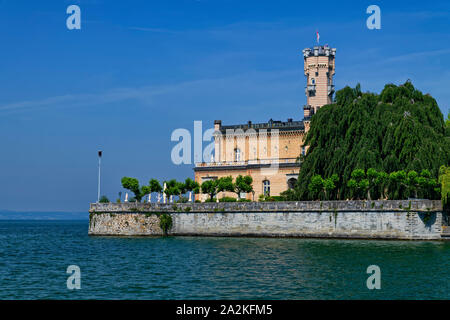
237 154
291 183
266 187
313 81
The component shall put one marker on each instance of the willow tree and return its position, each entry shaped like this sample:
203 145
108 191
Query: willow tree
398 129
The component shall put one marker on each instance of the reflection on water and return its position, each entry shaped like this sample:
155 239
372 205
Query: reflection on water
34 257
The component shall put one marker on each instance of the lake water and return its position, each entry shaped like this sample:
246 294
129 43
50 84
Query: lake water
34 256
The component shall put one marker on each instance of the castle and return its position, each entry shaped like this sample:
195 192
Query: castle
268 152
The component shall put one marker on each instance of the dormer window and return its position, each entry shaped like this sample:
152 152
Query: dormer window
237 154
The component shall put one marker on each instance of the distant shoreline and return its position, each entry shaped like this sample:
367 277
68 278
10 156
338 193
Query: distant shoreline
39 215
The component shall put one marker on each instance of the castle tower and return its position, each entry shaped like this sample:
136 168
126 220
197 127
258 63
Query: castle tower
319 71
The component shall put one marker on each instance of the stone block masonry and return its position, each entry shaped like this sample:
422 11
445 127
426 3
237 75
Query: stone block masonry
406 219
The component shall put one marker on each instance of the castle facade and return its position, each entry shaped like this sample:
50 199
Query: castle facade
269 152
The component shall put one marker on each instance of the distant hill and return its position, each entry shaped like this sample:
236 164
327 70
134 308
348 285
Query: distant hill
30 215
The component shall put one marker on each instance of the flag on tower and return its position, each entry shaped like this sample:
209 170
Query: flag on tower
318 36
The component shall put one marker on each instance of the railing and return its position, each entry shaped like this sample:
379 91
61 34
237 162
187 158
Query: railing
247 162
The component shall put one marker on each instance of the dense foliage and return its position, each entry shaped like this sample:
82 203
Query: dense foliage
375 184
226 184
400 129
444 180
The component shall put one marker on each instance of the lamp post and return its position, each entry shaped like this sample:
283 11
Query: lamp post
99 164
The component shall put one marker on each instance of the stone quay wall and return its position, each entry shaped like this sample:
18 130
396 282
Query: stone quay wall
380 219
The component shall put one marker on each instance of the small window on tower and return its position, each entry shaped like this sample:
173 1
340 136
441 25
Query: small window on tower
317 74
313 81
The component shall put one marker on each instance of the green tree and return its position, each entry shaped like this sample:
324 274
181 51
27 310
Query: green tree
181 188
316 186
381 182
132 184
444 180
413 183
398 185
172 188
225 184
428 186
154 186
328 186
191 186
358 184
398 129
213 187
209 187
243 184
372 177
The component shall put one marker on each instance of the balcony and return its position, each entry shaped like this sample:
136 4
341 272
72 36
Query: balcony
244 163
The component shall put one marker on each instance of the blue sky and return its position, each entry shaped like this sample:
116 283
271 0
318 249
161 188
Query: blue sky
137 70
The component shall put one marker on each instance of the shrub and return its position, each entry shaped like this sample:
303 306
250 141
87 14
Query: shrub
263 198
182 200
278 198
227 199
104 199
165 222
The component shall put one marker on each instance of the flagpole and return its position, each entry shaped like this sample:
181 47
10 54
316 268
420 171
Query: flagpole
99 174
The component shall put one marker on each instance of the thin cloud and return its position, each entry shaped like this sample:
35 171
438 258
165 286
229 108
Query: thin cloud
147 94
416 55
156 30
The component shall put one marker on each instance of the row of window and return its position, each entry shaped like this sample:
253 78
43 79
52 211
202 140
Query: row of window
265 185
237 153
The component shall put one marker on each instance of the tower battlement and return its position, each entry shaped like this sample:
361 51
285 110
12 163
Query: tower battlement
319 51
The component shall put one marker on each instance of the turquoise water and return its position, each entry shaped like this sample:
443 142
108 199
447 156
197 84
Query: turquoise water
34 256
